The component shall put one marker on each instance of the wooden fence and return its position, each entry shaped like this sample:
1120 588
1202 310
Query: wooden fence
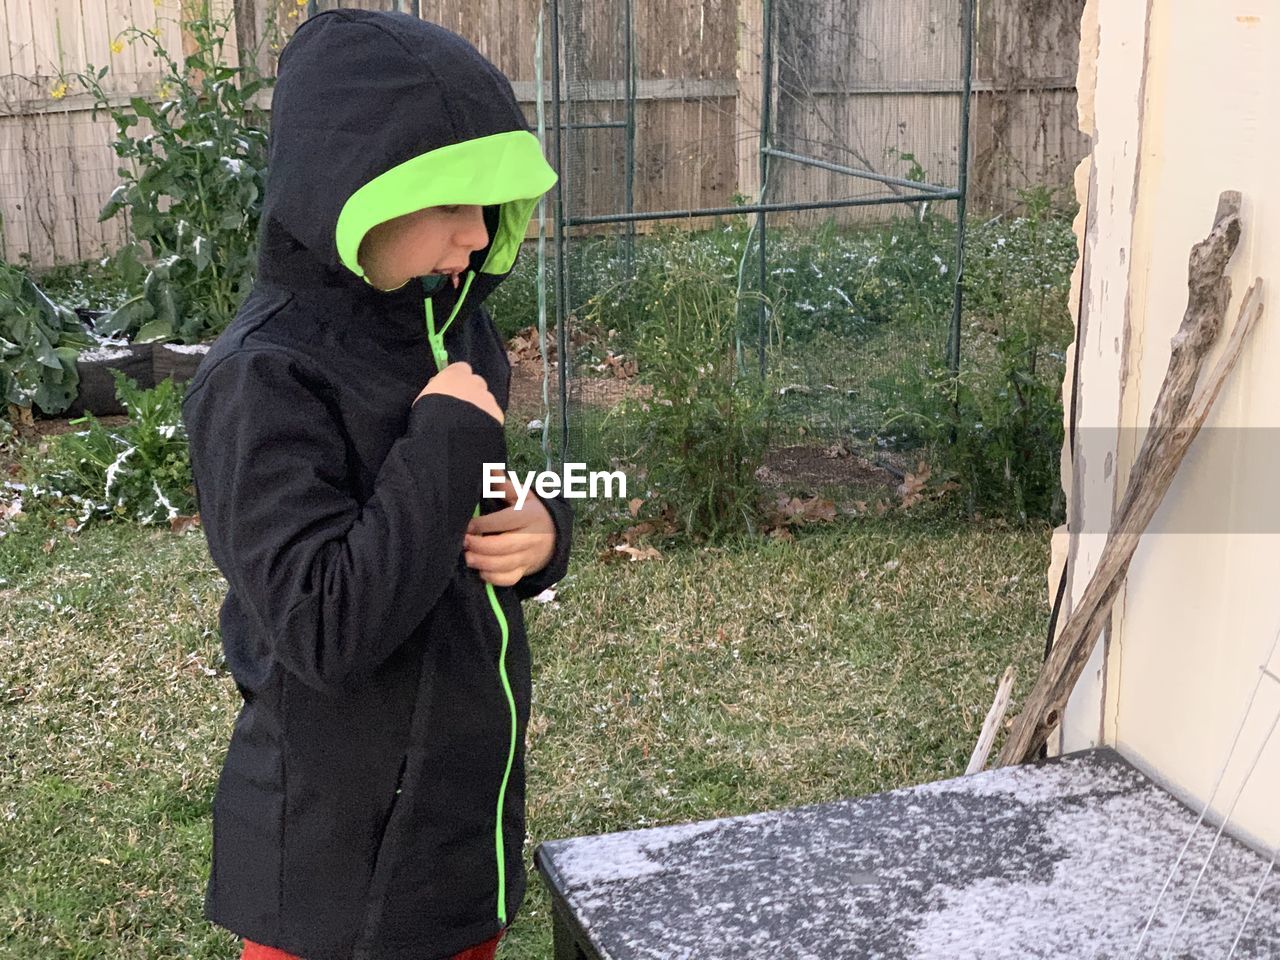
860 83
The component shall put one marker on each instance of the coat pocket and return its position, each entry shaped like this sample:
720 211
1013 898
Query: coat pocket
378 877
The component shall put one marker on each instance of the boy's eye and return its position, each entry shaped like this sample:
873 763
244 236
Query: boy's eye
451 208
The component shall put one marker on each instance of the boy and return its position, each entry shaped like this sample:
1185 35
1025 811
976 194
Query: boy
371 804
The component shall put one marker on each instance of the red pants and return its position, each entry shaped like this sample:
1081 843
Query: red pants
256 951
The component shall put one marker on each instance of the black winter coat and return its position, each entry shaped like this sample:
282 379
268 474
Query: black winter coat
371 804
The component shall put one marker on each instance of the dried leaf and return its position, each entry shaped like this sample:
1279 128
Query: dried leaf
523 347
819 510
636 531
181 524
618 365
638 553
911 490
22 419
794 511
634 505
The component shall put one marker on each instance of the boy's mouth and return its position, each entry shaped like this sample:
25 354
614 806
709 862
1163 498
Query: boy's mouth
453 273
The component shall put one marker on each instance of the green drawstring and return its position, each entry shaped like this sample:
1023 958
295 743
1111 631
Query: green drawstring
441 356
436 339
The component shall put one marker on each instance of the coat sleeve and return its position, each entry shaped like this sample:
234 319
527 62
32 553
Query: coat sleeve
562 517
335 584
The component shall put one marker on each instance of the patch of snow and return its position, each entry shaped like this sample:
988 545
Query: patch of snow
163 501
100 354
1115 853
115 468
1027 784
187 347
626 856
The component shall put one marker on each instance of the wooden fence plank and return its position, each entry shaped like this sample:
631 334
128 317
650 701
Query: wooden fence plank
123 65
93 29
68 34
44 38
6 38
13 234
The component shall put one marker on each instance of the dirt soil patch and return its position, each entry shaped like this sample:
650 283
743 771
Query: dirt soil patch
526 390
813 467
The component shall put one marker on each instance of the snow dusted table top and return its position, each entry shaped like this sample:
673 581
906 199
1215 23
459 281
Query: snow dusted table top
1064 859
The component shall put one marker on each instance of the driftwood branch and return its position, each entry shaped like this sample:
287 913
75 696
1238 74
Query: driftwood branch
987 738
1176 419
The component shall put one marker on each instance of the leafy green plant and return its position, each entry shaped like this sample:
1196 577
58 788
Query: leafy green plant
39 342
849 280
192 187
843 280
703 430
996 426
140 471
101 284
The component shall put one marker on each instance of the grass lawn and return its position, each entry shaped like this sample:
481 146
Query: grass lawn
859 658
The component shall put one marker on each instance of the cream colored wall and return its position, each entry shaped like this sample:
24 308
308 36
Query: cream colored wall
1201 608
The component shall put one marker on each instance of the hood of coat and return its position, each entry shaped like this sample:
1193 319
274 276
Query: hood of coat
378 114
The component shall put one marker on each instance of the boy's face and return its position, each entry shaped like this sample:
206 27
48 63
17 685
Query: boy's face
428 241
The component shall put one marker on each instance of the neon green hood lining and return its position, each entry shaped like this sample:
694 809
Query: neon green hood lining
503 169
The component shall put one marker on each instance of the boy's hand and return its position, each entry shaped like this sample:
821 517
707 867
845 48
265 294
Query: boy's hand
457 380
509 543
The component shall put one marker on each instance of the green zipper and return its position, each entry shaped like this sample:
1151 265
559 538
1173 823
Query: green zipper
436 339
441 356
498 842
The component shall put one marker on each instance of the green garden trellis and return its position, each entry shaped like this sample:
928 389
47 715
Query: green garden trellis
570 94
621 38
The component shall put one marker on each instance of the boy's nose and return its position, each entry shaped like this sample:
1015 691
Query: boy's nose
474 235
